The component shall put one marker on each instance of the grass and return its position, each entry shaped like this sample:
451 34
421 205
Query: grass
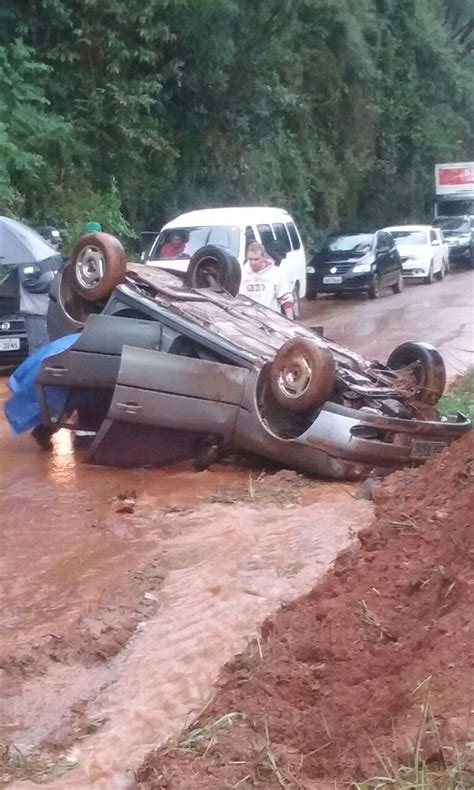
451 770
460 397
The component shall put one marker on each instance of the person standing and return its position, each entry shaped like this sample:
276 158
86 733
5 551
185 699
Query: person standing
264 282
35 280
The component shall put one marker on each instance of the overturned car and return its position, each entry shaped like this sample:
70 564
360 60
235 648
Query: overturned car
167 369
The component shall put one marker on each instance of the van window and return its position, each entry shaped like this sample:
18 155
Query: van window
293 234
266 235
175 243
282 237
433 236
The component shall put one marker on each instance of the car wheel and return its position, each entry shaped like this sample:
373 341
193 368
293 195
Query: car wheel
425 364
296 302
429 277
397 288
214 267
440 275
98 265
302 375
374 290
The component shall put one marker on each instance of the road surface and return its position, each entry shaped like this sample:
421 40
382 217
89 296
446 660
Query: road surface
441 314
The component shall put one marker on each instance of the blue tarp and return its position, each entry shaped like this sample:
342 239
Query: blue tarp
22 410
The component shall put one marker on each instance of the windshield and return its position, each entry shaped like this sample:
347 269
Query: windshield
458 224
354 245
409 237
450 208
183 242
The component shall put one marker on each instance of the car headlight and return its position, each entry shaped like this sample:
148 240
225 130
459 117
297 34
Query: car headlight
310 270
360 268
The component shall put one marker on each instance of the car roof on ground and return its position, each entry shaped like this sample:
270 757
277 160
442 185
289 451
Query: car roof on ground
238 215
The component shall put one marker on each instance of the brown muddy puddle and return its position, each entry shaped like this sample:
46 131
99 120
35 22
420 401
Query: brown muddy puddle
223 566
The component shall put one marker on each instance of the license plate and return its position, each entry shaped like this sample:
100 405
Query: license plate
9 344
426 449
332 280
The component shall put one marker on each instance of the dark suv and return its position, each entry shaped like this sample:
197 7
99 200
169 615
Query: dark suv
362 262
459 234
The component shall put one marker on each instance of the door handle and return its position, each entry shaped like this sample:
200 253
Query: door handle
56 371
129 408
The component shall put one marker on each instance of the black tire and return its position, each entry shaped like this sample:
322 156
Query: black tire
97 265
296 301
440 275
374 290
397 288
214 267
302 375
428 280
427 366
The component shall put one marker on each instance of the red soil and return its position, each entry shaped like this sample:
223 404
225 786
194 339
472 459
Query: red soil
338 677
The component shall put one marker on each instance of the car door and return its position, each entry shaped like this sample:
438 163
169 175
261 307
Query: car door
383 259
164 404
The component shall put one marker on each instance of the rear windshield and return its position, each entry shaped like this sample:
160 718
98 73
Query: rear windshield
183 242
357 244
410 236
459 224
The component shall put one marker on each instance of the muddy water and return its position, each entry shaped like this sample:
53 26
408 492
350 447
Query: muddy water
225 567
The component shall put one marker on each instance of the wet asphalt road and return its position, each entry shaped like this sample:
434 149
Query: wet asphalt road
441 314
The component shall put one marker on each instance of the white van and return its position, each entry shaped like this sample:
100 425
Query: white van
234 229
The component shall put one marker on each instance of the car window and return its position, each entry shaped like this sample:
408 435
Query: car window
249 236
402 237
282 237
458 224
382 242
433 236
175 243
266 235
293 234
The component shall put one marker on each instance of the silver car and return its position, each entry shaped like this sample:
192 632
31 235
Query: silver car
163 371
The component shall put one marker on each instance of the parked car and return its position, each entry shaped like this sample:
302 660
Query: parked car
162 372
233 229
361 262
459 235
13 340
423 252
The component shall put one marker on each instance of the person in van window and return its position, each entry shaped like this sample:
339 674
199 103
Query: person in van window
264 282
174 247
35 280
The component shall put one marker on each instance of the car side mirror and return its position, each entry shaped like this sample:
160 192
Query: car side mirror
435 243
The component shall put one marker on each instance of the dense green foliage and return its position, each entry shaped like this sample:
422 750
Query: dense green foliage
130 112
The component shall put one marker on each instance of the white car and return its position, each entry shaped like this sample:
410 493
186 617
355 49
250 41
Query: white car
233 229
423 252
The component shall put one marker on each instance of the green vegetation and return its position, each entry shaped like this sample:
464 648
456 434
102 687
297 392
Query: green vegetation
336 110
460 397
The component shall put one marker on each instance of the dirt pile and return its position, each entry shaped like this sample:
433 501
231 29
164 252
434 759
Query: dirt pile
335 684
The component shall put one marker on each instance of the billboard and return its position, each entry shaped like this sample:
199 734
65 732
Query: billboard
454 178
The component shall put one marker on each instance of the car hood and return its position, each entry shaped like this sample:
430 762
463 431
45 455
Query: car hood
326 260
417 250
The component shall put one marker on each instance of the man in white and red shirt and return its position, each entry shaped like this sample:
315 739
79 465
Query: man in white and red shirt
264 282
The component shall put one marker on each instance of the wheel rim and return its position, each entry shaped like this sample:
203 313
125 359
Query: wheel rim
295 377
90 268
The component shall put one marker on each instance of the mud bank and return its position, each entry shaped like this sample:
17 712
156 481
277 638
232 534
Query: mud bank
337 680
